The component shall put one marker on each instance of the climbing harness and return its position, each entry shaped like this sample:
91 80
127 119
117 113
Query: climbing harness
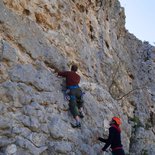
68 97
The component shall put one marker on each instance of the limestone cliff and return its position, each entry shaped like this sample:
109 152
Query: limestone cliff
116 68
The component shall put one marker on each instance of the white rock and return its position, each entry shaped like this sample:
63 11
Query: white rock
11 149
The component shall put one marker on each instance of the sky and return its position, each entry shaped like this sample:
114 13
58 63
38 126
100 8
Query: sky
140 18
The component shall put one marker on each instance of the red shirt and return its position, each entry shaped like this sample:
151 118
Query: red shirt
72 78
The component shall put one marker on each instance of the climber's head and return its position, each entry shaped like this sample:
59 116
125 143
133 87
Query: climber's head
116 121
74 68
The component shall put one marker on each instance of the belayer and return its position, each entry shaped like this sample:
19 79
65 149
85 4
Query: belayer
114 138
75 94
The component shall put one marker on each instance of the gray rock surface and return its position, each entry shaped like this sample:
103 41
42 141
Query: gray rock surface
117 75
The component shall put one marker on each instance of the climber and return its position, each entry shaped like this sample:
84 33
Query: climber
114 138
75 94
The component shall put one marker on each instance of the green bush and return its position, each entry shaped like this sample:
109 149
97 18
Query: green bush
145 152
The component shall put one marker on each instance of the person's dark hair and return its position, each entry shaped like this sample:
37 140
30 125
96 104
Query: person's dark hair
74 68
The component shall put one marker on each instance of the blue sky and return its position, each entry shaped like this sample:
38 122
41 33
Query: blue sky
140 18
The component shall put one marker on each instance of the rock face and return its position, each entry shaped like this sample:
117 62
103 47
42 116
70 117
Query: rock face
116 69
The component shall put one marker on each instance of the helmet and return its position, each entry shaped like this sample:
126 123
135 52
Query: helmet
117 120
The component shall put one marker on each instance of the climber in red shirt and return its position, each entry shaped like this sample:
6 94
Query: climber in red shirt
75 94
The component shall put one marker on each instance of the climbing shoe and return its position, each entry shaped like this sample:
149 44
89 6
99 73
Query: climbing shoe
81 115
76 125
